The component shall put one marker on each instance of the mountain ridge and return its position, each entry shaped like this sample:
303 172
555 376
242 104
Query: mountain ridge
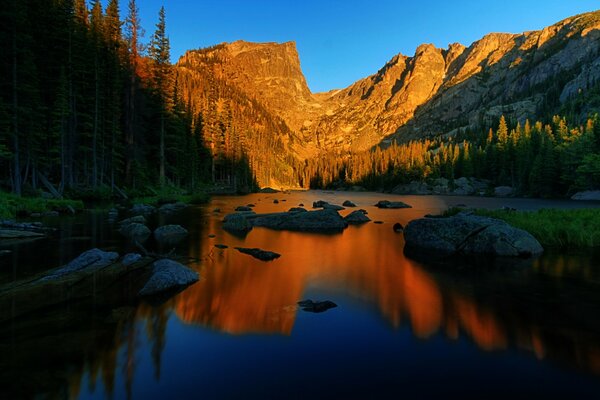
435 91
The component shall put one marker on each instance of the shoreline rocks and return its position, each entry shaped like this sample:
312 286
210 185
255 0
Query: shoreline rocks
468 234
588 195
170 235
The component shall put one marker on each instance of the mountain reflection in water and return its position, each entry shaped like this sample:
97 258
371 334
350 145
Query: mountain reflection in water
546 308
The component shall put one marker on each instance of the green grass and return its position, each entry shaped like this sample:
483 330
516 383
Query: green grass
560 229
11 205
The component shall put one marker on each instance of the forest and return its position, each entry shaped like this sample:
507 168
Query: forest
536 159
87 108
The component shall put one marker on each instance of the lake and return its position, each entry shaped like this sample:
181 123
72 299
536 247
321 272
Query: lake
401 328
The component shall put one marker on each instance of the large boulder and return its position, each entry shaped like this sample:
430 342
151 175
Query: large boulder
588 195
469 235
391 204
356 217
168 275
311 221
135 232
170 235
90 260
236 224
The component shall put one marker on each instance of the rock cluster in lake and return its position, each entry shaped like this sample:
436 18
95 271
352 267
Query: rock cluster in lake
95 276
326 221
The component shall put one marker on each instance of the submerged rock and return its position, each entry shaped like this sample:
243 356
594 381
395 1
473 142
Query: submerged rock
391 204
469 235
316 306
168 275
221 246
90 260
170 235
275 201
398 227
135 232
357 217
262 255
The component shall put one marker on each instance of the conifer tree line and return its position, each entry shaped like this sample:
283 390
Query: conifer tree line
86 103
537 159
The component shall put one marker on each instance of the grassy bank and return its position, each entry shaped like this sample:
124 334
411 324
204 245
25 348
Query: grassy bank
11 205
560 229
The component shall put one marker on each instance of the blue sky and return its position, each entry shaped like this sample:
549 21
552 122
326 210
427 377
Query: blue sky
341 41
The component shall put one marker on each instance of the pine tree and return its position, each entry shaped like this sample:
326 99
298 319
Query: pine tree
160 54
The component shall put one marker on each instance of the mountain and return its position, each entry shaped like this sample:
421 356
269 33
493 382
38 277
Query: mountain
434 92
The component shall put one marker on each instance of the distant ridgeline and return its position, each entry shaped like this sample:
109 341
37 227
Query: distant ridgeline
82 105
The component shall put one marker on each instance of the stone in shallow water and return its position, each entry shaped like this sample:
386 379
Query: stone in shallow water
263 255
312 221
168 275
135 232
236 224
357 217
391 204
348 203
316 306
90 260
170 235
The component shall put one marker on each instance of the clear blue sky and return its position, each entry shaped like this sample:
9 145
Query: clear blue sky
341 41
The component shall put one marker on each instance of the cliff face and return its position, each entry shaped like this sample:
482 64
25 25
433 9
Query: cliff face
436 91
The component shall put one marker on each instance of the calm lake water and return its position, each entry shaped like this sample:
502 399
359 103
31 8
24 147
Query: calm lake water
402 329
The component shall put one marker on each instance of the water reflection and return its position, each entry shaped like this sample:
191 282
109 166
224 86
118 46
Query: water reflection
547 309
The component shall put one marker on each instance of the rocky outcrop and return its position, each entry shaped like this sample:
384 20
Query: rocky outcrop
434 91
168 275
263 255
467 234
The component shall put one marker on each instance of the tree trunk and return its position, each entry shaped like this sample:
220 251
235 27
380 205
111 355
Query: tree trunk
162 149
17 164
